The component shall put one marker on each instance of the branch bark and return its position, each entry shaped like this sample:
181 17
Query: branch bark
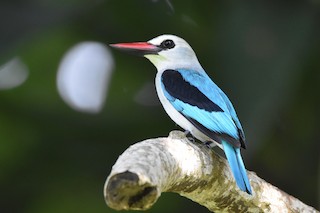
174 164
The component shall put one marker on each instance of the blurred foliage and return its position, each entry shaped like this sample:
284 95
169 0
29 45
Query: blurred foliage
263 54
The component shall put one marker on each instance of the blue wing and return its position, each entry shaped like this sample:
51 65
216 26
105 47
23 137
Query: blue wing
204 104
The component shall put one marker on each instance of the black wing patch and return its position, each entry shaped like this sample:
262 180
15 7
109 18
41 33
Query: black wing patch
242 138
179 88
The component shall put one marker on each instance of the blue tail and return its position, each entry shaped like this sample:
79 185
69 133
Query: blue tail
237 166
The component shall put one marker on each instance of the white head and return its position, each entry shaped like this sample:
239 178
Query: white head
165 52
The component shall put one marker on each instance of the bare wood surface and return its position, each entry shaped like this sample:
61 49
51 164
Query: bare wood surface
174 164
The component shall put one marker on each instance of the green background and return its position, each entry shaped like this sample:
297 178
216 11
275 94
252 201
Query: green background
264 54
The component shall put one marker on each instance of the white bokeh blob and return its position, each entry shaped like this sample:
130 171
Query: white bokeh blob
13 74
83 76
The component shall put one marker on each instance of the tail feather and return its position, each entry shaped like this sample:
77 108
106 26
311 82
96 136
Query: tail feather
237 167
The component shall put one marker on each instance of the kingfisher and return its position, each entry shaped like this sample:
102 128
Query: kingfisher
192 100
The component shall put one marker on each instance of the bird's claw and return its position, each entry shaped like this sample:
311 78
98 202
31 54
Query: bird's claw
189 136
209 144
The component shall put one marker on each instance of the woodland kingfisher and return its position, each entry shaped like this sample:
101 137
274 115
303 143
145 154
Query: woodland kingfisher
193 100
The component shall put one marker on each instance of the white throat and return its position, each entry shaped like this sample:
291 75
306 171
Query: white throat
162 63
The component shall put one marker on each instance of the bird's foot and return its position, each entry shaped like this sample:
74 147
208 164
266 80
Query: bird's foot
189 136
209 144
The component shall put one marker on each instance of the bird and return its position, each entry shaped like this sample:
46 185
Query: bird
192 100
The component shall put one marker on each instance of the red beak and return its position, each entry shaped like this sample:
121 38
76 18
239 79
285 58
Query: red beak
138 48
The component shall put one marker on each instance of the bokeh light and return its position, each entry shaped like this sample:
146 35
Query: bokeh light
13 73
84 75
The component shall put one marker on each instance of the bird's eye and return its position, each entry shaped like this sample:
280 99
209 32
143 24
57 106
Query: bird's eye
167 44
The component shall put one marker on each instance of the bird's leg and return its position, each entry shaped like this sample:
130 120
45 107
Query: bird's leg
189 136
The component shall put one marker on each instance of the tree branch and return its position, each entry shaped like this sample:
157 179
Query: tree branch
174 164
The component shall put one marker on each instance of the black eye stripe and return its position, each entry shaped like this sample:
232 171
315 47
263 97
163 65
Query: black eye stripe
167 44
